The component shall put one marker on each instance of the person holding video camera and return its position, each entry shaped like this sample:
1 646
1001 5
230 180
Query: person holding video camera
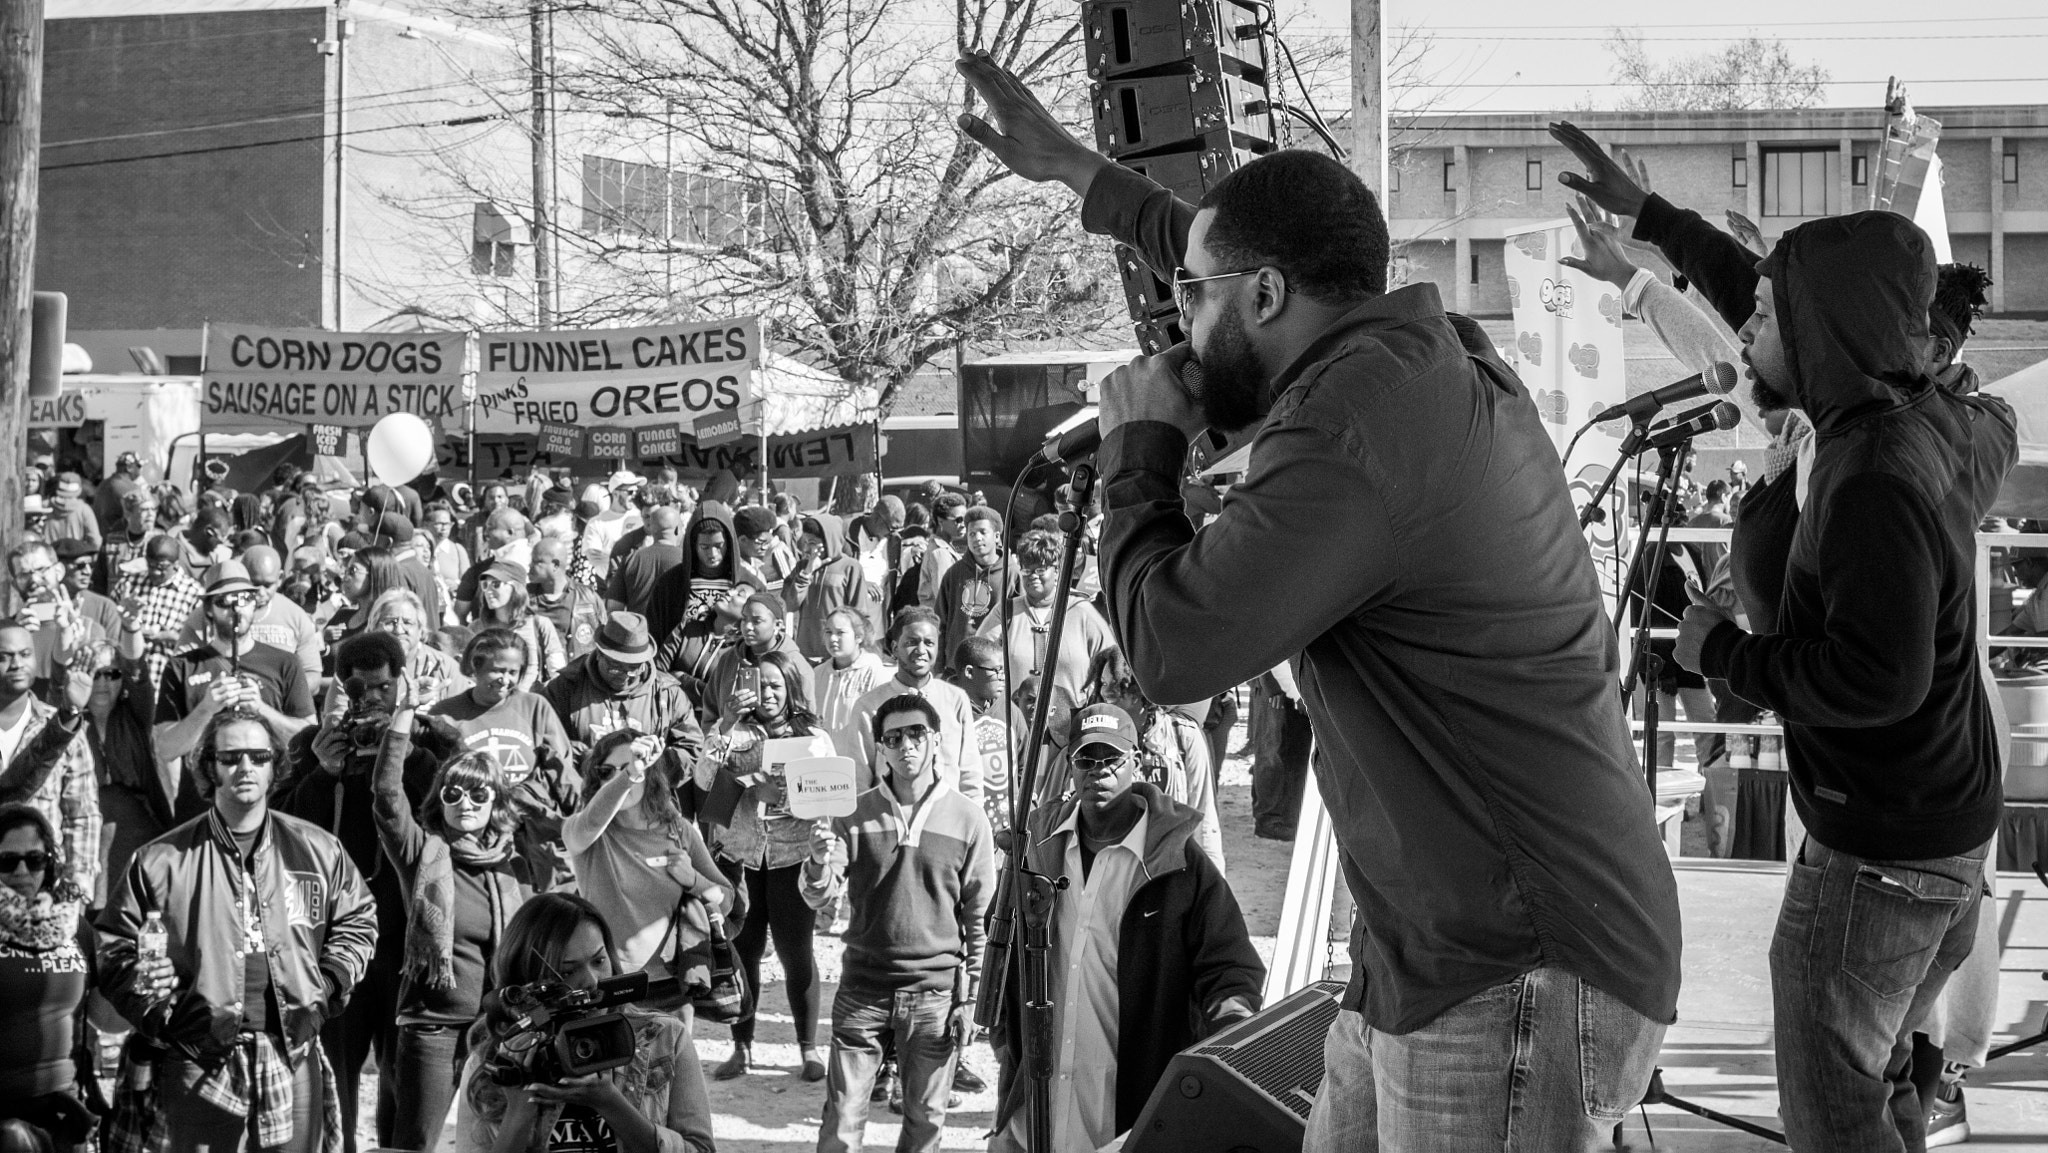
462 881
228 942
760 845
329 785
558 944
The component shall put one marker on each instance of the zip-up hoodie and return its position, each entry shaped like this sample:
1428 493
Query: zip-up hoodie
1891 747
837 582
688 648
1182 952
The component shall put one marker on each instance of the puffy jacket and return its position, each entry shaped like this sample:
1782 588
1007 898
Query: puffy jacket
319 924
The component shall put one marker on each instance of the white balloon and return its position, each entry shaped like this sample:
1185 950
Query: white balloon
401 447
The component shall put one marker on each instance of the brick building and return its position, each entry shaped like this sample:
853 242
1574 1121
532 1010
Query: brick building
1466 179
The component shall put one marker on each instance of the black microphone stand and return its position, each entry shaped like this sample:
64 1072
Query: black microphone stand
1022 895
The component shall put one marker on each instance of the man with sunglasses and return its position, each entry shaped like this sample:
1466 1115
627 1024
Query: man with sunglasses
269 928
1130 991
232 668
943 550
1513 897
53 614
916 857
55 772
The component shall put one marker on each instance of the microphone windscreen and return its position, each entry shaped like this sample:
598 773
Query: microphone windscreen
1726 415
1193 380
1721 378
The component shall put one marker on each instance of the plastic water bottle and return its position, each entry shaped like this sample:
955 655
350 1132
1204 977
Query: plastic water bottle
153 943
1770 752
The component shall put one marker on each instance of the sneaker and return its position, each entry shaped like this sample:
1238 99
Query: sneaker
735 1065
1948 1123
886 1088
967 1080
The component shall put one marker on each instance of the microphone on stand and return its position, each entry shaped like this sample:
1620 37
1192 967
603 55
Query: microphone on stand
1082 439
1718 380
1717 417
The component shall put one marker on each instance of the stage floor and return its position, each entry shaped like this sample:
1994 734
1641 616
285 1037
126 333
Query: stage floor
1719 1054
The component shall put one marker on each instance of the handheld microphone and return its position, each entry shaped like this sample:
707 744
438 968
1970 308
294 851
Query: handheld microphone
1084 438
1718 380
1717 417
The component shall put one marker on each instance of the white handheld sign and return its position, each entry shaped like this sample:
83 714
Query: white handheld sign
820 787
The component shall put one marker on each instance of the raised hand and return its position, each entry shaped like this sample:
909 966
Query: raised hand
1026 137
1607 182
1605 258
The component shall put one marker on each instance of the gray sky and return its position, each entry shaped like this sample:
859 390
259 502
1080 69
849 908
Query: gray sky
1990 52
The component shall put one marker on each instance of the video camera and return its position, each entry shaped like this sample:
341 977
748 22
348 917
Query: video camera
549 1031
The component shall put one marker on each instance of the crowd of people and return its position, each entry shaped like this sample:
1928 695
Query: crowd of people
299 782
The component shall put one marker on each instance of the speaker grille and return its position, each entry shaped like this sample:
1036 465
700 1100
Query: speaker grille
1281 1054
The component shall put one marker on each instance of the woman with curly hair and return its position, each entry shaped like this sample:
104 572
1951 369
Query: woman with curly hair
655 1102
463 881
1086 634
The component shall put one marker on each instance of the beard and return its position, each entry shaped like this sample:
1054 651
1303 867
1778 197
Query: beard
1233 383
1768 399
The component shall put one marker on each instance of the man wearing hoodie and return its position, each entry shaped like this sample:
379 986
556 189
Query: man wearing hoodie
695 606
827 578
1149 950
1873 666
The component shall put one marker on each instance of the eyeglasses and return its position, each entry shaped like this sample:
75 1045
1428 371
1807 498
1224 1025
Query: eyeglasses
397 624
478 794
36 861
108 675
983 670
1041 570
907 735
234 600
258 757
1183 282
1099 764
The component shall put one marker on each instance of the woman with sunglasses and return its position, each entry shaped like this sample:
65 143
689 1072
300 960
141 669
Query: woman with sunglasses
502 600
47 967
463 881
639 859
368 574
763 847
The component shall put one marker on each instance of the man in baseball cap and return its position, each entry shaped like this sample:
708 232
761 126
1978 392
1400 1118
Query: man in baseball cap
1186 965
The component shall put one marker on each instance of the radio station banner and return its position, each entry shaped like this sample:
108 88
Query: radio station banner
824 452
621 377
278 379
1568 347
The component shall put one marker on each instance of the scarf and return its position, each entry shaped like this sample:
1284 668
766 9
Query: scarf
38 924
430 926
1783 452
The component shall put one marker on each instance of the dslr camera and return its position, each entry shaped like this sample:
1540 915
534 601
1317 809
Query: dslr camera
549 1031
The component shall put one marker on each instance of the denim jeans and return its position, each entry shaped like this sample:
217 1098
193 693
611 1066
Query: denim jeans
924 1059
423 1075
1862 951
1540 1064
192 1123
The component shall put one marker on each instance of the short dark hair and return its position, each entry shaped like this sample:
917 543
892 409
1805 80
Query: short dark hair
905 703
982 512
976 648
1716 489
753 520
947 503
371 649
917 515
1307 215
495 639
911 615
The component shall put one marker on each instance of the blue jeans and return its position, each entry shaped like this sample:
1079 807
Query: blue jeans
924 1059
1862 951
1540 1064
423 1075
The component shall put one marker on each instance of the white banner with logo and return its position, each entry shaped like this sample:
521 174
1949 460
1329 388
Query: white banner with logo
1568 346
618 378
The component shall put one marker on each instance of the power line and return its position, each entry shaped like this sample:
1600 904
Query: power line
1430 29
1915 81
322 136
1723 39
370 102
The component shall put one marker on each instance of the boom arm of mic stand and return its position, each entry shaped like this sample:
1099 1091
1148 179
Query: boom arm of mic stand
1022 895
1630 445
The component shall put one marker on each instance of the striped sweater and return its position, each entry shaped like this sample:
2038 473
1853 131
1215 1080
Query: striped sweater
921 878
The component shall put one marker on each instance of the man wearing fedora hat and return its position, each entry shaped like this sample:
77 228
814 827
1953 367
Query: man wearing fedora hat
617 686
231 668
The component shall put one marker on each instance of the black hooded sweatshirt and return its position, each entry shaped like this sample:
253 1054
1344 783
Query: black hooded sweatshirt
1873 667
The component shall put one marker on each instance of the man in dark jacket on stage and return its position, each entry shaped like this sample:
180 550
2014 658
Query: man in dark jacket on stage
1149 951
1518 942
1873 663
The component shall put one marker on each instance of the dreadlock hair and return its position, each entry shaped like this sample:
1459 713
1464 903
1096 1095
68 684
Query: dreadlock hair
1959 299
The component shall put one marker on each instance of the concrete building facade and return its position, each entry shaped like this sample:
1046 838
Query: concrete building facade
1463 181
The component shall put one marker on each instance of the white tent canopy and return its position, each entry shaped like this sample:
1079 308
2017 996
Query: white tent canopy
798 398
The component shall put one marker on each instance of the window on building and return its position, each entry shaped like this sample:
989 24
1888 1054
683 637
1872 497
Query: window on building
1475 268
495 237
2009 171
1739 172
1450 176
702 210
1802 182
1532 175
1859 171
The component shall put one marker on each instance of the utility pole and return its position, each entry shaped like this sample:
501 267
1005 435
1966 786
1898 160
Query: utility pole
543 168
668 204
1369 99
341 31
21 137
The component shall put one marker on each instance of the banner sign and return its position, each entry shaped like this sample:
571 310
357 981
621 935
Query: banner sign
622 377
326 439
718 428
616 443
824 452
563 440
657 440
1568 347
282 379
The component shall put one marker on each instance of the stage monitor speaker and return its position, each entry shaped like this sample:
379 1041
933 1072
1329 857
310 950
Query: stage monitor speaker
1174 112
1127 36
1249 1088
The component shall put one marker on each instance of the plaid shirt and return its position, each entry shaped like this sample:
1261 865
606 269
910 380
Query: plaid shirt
255 1077
162 609
69 798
